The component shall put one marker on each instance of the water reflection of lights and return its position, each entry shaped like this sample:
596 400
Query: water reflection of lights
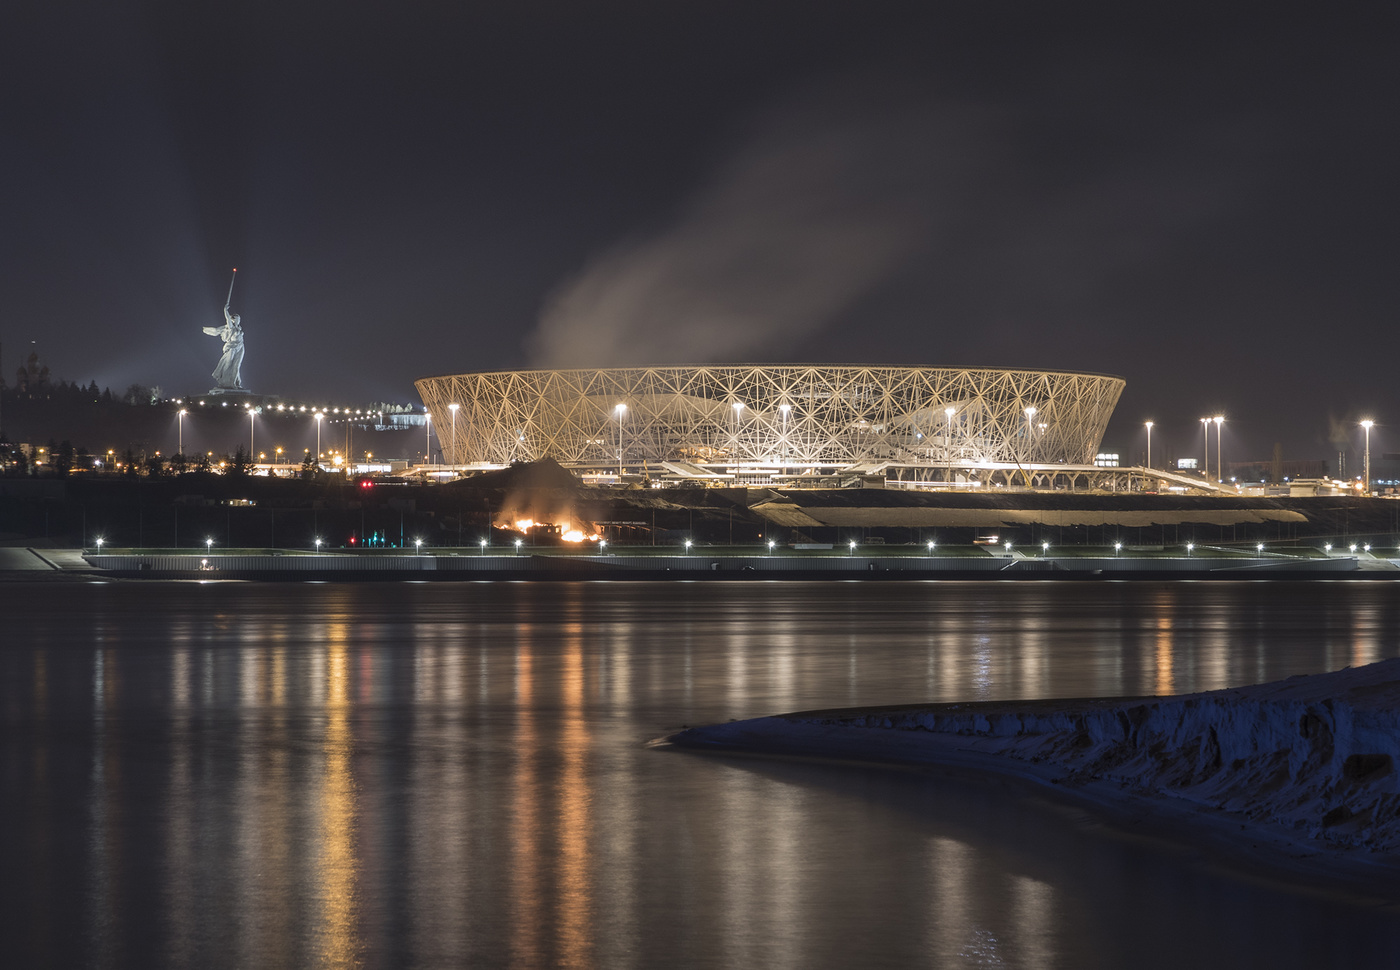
338 866
1165 683
104 808
180 835
575 796
1163 659
526 893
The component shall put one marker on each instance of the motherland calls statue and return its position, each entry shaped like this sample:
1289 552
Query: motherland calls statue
226 373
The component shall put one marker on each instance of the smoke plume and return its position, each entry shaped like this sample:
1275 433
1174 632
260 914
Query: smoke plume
826 200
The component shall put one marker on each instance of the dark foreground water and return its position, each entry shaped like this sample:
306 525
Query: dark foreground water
448 774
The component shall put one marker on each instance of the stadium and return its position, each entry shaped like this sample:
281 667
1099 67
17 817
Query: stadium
762 424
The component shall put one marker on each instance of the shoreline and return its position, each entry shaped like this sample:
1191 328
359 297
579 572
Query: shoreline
702 564
1318 820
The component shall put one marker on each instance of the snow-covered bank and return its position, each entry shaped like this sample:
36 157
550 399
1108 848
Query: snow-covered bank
1316 755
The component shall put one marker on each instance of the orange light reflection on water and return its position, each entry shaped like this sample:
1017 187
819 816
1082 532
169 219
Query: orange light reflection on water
338 866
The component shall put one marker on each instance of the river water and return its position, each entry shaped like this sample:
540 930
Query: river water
433 775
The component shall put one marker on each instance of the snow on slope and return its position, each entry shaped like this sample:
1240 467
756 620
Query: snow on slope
1316 754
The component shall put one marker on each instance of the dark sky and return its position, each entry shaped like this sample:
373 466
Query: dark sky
1203 201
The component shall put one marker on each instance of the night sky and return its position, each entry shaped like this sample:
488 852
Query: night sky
1203 201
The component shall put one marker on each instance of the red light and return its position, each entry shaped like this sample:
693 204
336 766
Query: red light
352 540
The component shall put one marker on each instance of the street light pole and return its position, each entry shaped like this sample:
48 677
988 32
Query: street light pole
1149 444
785 409
738 411
1219 462
428 444
1367 425
181 423
620 410
319 416
1205 428
453 409
948 442
251 451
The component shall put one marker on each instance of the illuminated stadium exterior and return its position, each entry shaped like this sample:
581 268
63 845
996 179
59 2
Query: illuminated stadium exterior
764 422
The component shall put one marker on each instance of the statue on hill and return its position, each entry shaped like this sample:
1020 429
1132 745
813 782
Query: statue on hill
226 373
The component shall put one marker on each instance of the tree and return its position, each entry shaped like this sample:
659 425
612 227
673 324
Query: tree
63 457
179 464
241 462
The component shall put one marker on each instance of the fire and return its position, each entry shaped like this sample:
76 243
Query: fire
569 534
566 531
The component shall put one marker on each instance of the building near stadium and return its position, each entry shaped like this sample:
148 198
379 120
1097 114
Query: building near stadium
759 423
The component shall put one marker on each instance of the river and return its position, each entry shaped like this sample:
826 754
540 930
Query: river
441 774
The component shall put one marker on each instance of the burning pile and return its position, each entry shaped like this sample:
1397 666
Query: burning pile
566 530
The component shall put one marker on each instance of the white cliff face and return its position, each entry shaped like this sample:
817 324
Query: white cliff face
1317 754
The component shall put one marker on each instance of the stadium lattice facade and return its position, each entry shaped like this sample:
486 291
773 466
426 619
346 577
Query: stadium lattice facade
791 419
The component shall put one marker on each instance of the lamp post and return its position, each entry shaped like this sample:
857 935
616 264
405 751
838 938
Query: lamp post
453 409
418 546
1219 419
738 411
318 544
1205 428
1367 425
1149 444
251 415
687 547
181 423
208 546
948 441
1030 430
428 443
319 416
620 411
785 409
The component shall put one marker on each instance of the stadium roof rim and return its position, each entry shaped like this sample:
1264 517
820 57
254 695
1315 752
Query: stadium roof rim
784 366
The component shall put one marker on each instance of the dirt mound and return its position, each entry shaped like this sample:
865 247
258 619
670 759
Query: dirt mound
543 474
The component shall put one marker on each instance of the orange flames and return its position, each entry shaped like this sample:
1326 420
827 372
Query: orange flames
567 531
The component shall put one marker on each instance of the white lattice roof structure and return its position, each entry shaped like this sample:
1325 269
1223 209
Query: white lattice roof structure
772 415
